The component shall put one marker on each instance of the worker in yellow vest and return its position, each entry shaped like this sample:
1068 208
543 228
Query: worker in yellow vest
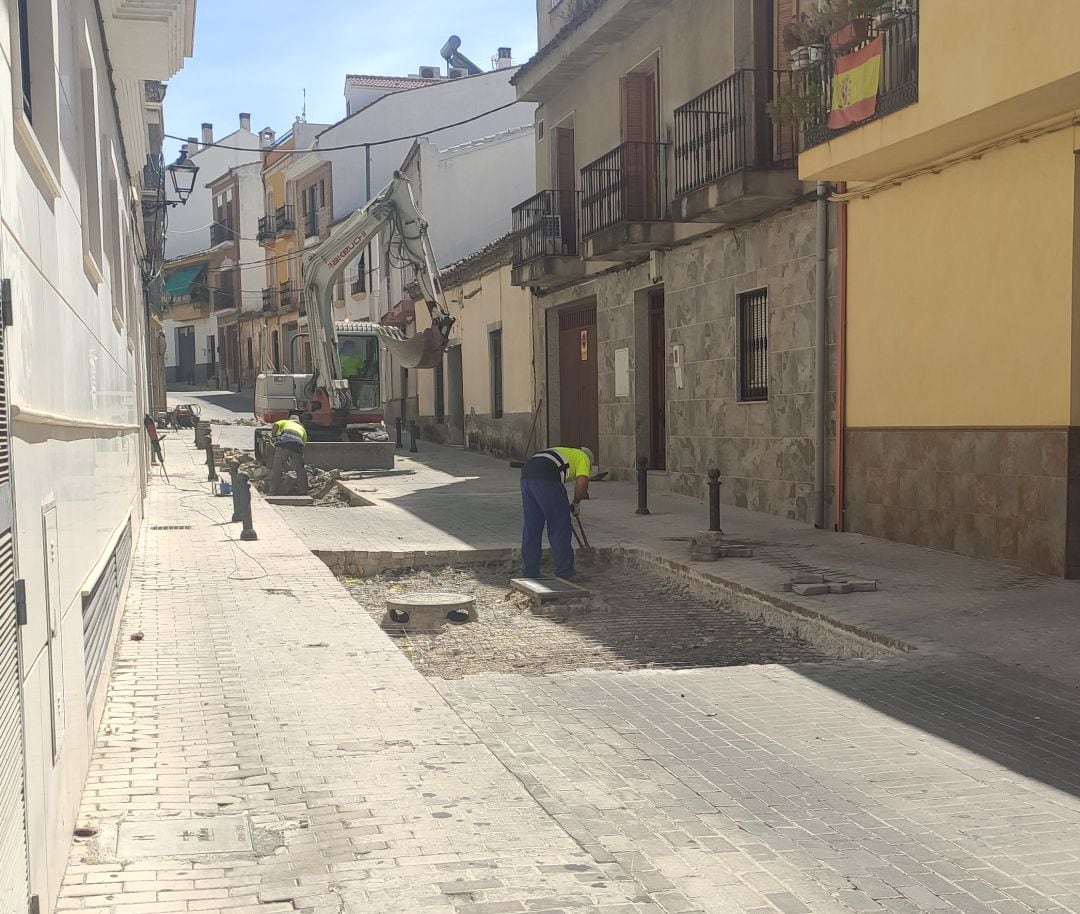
544 503
289 436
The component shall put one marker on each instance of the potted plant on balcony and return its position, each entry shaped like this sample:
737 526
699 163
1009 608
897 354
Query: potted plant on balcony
797 37
845 22
797 103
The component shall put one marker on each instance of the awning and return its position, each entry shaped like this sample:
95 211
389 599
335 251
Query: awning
179 282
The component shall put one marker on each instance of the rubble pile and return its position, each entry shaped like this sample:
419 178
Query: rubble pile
322 485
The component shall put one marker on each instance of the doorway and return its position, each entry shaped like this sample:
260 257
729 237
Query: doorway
657 382
185 355
566 188
579 422
455 419
211 356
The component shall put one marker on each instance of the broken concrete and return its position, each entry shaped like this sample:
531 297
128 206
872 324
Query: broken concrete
343 455
295 501
809 590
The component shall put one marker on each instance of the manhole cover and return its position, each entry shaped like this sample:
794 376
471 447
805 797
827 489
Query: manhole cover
183 837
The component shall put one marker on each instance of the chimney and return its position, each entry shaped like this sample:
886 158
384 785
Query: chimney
192 146
245 121
504 60
207 134
267 136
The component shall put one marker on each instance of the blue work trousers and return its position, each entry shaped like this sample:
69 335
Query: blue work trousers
544 501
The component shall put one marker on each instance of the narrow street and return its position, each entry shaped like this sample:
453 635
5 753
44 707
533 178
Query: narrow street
660 754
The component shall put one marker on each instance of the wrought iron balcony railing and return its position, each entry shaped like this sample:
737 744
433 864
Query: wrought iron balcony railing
726 129
267 229
629 184
546 225
290 296
269 301
285 218
220 232
899 86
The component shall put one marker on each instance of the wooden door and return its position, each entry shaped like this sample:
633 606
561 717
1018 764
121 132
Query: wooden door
657 383
640 159
185 355
566 185
579 415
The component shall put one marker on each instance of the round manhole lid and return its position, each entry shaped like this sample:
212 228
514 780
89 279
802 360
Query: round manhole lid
445 601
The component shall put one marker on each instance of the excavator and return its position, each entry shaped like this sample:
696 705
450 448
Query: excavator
333 406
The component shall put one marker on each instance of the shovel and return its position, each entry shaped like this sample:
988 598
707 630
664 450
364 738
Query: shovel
586 550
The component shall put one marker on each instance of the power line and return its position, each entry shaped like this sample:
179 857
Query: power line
398 139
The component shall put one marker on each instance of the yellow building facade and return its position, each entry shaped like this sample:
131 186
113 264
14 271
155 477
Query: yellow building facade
960 288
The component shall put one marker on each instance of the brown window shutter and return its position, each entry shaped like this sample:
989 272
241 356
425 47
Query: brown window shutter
636 108
785 10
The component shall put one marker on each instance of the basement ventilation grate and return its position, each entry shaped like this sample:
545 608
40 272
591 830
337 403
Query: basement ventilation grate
172 527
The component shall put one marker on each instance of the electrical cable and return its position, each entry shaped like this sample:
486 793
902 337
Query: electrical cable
399 139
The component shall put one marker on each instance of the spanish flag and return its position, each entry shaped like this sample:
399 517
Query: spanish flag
855 85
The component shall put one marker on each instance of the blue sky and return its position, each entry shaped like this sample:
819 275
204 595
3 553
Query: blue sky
259 55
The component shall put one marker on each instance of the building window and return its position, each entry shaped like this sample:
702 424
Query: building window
91 166
440 393
24 60
495 356
754 345
250 355
275 350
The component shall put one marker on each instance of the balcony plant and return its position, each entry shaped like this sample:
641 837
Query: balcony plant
845 22
797 103
797 36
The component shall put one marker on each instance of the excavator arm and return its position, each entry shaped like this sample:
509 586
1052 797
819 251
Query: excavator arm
394 209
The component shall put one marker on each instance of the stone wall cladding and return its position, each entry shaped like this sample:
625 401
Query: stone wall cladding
1007 494
506 438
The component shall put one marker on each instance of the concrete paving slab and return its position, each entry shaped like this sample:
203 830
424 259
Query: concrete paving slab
549 590
183 836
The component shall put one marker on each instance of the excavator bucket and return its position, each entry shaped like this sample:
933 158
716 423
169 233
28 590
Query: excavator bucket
425 350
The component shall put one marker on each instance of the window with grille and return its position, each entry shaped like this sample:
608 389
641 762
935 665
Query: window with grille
495 353
754 345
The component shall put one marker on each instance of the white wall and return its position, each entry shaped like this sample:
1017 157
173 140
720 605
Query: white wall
415 111
189 225
467 192
76 349
204 327
251 206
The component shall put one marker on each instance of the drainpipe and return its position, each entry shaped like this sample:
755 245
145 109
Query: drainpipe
821 352
841 353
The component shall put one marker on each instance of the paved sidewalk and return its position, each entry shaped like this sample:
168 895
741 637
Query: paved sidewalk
262 690
455 499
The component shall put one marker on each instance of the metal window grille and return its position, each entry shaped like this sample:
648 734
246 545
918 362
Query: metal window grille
754 345
495 348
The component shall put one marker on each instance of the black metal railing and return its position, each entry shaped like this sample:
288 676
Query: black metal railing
155 91
629 184
311 224
220 232
224 298
267 229
154 173
899 85
726 129
289 295
285 218
546 225
269 300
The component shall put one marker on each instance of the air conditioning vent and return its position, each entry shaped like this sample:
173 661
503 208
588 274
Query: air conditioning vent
457 72
430 72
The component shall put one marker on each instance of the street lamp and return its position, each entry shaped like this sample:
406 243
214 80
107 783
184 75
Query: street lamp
183 172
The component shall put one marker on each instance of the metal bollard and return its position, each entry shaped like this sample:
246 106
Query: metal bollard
244 486
234 469
642 485
397 423
211 470
714 500
412 437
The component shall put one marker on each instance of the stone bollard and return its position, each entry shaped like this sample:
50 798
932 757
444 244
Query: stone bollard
234 469
202 432
244 487
397 423
412 437
211 470
642 485
714 500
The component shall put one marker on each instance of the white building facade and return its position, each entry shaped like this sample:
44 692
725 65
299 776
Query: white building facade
73 389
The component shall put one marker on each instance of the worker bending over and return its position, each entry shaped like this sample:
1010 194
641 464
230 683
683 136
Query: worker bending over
290 436
544 501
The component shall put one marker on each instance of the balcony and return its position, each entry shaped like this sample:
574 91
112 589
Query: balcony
222 233
289 296
546 241
285 219
269 301
624 202
267 229
731 162
155 90
224 298
899 86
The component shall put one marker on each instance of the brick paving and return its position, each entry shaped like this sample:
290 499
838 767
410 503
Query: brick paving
260 689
